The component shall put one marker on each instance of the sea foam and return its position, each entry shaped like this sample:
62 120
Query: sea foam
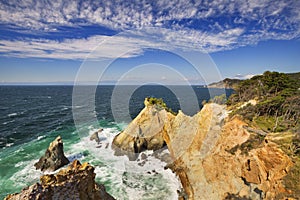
127 179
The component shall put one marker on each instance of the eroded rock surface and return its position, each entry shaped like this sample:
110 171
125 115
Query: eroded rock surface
207 154
209 171
144 132
54 157
77 181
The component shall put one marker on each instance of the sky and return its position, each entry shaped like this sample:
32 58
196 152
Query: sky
146 41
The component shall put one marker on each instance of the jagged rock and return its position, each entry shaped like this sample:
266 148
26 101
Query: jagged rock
266 167
208 171
77 181
54 157
145 132
206 155
95 136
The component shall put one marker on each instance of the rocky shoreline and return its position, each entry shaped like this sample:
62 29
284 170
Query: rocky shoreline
208 153
76 181
216 156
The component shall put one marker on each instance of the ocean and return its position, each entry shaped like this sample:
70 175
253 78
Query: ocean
33 116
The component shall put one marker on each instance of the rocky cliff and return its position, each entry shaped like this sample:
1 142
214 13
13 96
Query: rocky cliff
77 181
213 167
215 156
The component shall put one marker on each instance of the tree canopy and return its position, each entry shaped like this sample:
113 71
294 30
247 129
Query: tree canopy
278 97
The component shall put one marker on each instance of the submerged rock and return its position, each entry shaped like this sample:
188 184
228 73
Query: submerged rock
77 181
54 157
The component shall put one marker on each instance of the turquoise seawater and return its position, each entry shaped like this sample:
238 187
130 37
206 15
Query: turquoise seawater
32 117
123 179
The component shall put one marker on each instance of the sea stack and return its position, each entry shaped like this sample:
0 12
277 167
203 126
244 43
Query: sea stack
54 157
77 181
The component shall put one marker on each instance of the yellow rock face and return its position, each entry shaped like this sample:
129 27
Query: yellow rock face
144 132
202 148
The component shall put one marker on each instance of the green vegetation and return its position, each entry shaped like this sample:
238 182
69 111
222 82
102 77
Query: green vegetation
277 112
278 96
159 102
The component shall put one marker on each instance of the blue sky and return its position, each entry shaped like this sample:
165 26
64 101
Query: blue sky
140 41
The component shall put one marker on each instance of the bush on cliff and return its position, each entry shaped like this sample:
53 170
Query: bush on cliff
160 103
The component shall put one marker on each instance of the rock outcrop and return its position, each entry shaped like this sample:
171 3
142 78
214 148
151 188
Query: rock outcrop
209 170
54 157
144 132
77 181
95 136
215 157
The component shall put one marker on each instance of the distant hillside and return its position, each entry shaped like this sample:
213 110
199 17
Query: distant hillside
226 83
229 83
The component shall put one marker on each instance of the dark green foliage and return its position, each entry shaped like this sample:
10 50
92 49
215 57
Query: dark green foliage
270 84
278 96
160 103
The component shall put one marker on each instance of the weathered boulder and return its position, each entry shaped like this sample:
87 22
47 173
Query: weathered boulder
95 136
145 132
54 157
77 181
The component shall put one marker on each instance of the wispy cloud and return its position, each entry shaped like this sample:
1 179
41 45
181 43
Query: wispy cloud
132 42
205 25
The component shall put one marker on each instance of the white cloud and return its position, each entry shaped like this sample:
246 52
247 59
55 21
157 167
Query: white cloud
198 32
242 77
131 42
120 15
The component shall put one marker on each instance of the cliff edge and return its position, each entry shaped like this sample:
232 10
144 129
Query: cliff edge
216 156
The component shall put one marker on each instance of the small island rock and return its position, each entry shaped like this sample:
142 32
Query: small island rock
54 157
